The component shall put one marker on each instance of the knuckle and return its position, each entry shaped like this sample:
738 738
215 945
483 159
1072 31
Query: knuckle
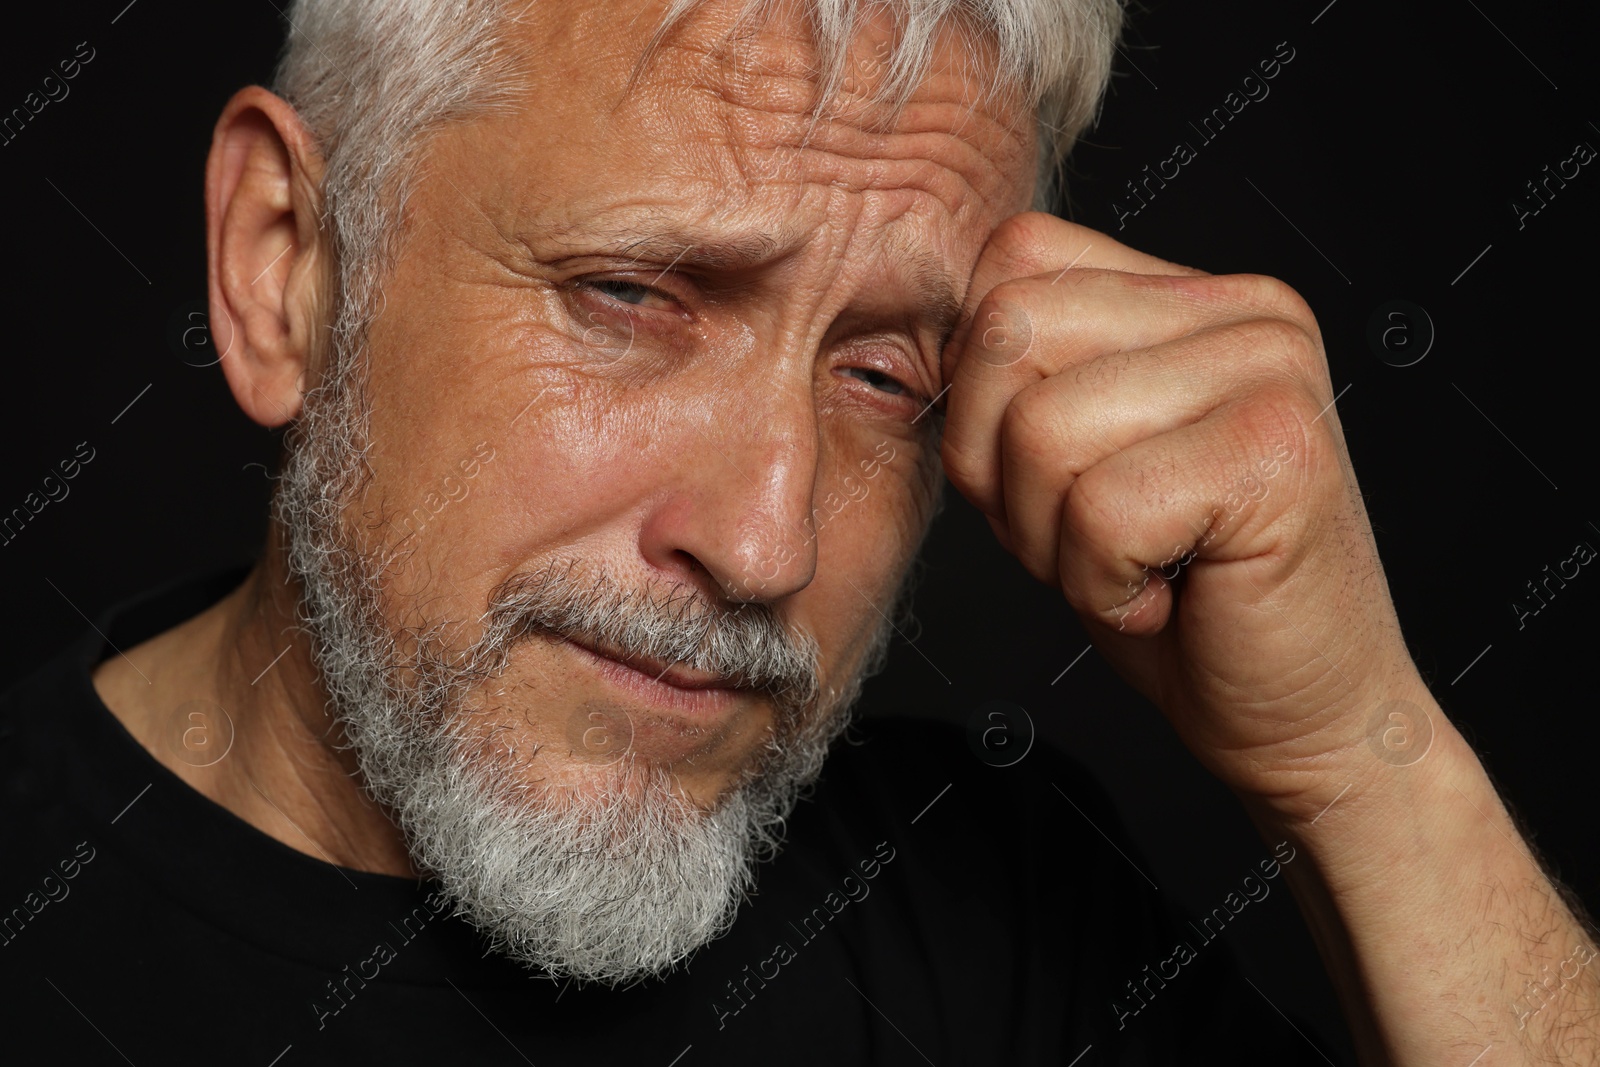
1003 322
1287 301
960 463
1274 296
1260 289
1282 413
1031 426
1023 243
1010 294
1096 509
1274 344
1252 290
1278 338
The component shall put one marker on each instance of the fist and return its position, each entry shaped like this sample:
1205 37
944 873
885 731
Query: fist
1161 445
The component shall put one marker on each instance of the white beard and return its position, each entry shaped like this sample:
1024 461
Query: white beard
619 878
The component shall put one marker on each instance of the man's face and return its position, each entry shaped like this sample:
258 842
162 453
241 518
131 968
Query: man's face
679 339
648 453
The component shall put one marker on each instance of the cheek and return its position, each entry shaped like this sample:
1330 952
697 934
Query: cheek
554 455
591 455
573 466
871 540
860 563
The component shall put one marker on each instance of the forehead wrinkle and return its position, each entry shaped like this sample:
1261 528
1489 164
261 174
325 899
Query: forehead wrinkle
751 76
707 33
724 58
936 163
948 136
764 98
785 47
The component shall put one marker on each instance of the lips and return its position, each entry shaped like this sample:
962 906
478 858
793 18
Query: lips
673 674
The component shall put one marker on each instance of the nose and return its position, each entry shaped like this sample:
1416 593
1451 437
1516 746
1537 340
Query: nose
740 493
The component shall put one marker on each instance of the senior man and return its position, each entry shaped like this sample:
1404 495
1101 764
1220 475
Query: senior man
623 347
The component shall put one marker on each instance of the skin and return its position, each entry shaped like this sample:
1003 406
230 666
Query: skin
684 434
1154 441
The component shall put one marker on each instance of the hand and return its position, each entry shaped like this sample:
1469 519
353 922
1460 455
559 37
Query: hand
1160 443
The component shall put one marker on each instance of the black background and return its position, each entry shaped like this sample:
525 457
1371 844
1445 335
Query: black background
1381 166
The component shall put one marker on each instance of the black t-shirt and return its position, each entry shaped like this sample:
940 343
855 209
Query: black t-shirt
927 908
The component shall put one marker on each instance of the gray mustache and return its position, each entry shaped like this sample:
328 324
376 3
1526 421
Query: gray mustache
750 645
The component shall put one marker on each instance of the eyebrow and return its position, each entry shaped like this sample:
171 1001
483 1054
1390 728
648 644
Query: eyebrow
724 254
934 292
735 252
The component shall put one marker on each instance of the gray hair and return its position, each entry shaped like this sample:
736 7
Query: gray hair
372 78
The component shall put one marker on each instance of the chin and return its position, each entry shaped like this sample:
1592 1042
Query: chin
539 852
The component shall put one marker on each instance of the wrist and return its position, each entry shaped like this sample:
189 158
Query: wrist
1437 923
1403 793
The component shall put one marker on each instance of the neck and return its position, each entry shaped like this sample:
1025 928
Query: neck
285 772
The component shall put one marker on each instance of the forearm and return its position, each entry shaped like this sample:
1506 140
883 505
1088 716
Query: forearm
1443 936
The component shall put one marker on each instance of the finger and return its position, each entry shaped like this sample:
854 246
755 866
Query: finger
1058 428
1094 307
1218 490
1035 243
1033 328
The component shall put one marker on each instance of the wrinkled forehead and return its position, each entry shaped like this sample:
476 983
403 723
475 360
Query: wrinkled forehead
741 95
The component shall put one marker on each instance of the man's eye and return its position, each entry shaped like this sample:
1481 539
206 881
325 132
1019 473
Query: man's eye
626 292
878 380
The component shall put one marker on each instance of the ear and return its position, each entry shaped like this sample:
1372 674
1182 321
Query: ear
268 275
